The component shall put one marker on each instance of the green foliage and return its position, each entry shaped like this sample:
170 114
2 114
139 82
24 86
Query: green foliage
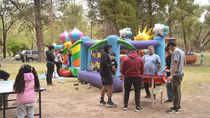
15 46
117 14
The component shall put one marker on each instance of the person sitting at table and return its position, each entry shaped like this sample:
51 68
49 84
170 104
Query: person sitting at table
4 75
152 64
26 83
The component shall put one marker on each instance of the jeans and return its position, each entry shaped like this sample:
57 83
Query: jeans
127 86
25 110
170 93
176 85
50 70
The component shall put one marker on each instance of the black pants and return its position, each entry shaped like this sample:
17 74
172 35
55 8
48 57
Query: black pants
127 86
58 66
50 70
1 100
146 87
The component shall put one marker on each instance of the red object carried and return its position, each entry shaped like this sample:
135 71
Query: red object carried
158 79
65 73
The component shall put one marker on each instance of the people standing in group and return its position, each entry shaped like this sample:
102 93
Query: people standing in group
152 64
170 94
177 73
4 76
50 58
58 60
132 68
26 83
106 77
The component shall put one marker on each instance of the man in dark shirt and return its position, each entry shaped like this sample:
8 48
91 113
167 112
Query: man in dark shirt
106 77
167 70
50 64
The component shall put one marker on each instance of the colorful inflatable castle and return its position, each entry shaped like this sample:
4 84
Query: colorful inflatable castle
71 52
90 52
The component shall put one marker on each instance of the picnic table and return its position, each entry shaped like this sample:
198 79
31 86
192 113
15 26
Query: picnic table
6 87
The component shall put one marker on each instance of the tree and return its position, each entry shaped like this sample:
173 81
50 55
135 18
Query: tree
117 14
38 29
7 11
14 47
34 20
150 12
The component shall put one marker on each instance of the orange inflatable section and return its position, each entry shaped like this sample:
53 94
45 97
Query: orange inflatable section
65 59
77 62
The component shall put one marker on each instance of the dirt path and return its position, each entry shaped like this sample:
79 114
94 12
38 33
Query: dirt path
63 101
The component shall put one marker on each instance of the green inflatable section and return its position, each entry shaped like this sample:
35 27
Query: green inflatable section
74 71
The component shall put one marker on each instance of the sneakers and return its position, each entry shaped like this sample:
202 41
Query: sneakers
138 109
125 107
110 104
173 110
102 103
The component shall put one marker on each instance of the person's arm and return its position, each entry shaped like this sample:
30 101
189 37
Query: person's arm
122 67
158 68
175 64
142 67
159 65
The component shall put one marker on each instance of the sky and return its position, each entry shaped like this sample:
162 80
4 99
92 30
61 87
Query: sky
202 2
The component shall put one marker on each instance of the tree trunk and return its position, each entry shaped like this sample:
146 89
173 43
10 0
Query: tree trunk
38 29
4 44
184 36
150 13
4 34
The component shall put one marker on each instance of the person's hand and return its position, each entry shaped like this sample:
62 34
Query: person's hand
121 77
170 78
167 70
113 68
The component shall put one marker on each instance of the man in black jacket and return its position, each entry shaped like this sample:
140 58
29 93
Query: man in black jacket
106 77
50 64
167 70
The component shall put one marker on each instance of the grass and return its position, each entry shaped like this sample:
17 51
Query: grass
195 79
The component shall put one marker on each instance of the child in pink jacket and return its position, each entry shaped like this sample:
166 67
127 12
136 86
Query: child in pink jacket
25 85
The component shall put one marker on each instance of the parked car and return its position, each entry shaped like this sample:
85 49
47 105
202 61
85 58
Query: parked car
17 57
32 55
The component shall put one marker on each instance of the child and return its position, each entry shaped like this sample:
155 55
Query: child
26 83
4 75
113 62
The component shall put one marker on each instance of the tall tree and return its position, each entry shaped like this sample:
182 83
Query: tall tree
7 11
38 28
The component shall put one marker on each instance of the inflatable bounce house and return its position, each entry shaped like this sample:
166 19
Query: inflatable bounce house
71 52
90 51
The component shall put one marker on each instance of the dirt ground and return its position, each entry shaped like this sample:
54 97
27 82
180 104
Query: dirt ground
64 101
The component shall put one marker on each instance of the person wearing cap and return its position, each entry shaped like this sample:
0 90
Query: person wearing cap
106 77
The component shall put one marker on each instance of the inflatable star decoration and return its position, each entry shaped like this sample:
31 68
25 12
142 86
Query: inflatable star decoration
144 35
